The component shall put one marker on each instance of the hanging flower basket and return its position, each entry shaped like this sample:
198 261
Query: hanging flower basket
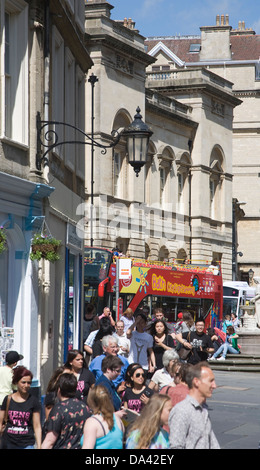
46 247
3 243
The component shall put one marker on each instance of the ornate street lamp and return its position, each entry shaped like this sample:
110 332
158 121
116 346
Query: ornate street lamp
137 136
137 139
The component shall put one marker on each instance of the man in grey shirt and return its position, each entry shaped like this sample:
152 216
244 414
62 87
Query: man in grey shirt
189 423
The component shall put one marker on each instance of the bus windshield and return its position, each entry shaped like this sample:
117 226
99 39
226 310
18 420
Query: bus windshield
230 300
230 305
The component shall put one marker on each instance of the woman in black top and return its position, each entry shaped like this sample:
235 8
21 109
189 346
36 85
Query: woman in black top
162 341
137 395
85 379
23 426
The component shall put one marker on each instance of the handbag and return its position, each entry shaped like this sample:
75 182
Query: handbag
6 413
183 352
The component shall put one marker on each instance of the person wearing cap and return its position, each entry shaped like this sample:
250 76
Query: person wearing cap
6 374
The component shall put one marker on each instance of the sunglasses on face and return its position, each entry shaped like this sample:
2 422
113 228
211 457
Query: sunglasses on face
139 374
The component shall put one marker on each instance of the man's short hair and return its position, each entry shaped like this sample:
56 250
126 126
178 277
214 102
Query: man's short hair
200 319
111 362
142 315
195 372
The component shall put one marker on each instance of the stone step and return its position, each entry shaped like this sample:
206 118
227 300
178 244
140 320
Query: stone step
241 362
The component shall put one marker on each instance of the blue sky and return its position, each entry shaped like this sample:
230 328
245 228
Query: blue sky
184 17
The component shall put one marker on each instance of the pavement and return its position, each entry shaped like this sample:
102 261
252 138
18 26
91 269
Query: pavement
234 409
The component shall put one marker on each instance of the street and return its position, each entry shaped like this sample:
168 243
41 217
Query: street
235 410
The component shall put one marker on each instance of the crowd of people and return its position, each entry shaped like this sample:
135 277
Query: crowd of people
138 383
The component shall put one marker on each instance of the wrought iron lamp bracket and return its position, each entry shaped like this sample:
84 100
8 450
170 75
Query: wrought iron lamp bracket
48 139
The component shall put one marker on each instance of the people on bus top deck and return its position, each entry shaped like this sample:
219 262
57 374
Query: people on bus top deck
214 267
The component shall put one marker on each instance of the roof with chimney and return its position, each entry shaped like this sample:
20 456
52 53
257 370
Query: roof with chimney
244 43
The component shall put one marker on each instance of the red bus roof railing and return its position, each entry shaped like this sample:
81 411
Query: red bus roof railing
178 265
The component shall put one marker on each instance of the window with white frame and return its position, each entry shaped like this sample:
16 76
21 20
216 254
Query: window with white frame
15 62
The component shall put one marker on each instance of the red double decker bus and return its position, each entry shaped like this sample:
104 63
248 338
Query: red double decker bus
174 287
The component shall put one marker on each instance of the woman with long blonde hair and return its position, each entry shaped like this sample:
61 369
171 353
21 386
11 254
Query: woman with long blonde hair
127 318
104 429
147 430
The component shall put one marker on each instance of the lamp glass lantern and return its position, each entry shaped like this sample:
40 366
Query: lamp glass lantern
137 139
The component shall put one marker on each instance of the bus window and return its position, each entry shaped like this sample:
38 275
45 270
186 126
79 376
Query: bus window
171 306
96 264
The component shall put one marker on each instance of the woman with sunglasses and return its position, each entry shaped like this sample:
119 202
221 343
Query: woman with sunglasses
138 394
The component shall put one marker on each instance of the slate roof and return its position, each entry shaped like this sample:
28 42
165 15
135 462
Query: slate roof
243 47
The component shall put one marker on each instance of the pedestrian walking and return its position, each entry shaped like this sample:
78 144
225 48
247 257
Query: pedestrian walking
123 341
138 394
127 318
85 378
147 430
110 347
141 344
64 427
162 376
162 341
189 423
104 429
6 373
23 425
111 369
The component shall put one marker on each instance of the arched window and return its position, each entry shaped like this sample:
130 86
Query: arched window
165 168
119 164
148 169
164 254
183 163
181 256
215 183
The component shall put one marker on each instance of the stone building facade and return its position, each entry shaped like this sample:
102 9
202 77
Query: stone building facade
181 204
233 54
40 302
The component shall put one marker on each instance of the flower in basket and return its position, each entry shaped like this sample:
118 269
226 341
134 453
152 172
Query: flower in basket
3 243
45 246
